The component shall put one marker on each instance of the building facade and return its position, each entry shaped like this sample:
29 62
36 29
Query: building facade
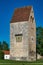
23 35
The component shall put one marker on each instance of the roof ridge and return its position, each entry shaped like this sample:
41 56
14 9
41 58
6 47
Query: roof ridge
23 7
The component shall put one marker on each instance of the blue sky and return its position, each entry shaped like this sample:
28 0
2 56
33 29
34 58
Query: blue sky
7 8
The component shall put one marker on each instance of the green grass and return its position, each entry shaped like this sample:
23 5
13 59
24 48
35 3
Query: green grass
12 62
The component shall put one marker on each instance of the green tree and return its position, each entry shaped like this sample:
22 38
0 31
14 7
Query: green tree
39 39
5 46
0 46
1 54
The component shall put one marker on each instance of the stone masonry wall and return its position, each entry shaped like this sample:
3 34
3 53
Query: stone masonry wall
19 49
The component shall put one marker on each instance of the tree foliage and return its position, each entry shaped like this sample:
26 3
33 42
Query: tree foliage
39 40
1 55
0 46
5 46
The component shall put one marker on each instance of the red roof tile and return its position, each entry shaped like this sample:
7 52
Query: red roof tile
21 14
6 52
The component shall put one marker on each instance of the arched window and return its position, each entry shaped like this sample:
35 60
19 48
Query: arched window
32 18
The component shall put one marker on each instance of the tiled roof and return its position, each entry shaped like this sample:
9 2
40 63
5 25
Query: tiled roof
21 14
6 52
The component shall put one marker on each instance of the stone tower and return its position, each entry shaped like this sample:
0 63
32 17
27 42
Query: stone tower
23 35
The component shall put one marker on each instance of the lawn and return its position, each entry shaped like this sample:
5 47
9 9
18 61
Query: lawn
12 62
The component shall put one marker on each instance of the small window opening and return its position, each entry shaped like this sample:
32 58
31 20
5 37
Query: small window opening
32 18
18 37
